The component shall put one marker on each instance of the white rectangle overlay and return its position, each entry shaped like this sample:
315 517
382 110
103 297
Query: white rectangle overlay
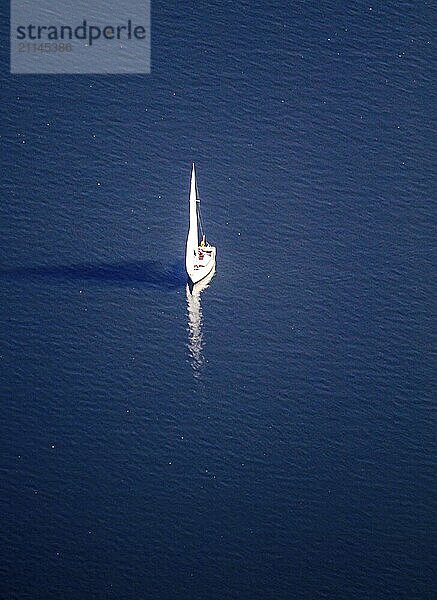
84 36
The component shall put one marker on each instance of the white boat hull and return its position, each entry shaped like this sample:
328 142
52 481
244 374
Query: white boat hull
202 268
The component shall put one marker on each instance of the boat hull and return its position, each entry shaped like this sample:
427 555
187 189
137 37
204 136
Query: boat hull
202 270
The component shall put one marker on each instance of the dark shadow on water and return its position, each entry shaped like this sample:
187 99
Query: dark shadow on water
131 274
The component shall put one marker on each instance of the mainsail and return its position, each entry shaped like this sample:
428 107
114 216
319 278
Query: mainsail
191 256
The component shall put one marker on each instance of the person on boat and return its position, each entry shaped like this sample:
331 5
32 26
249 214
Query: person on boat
203 242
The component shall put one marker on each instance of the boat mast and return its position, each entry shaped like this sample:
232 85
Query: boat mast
199 214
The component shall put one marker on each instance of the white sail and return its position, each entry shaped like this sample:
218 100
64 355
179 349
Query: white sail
193 235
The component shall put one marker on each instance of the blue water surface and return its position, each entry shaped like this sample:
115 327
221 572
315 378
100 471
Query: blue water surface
285 448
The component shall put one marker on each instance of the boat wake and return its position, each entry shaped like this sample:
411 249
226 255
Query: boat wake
195 334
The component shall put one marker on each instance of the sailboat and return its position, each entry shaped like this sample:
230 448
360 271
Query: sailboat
199 257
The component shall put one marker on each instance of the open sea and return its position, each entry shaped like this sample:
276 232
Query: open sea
271 437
